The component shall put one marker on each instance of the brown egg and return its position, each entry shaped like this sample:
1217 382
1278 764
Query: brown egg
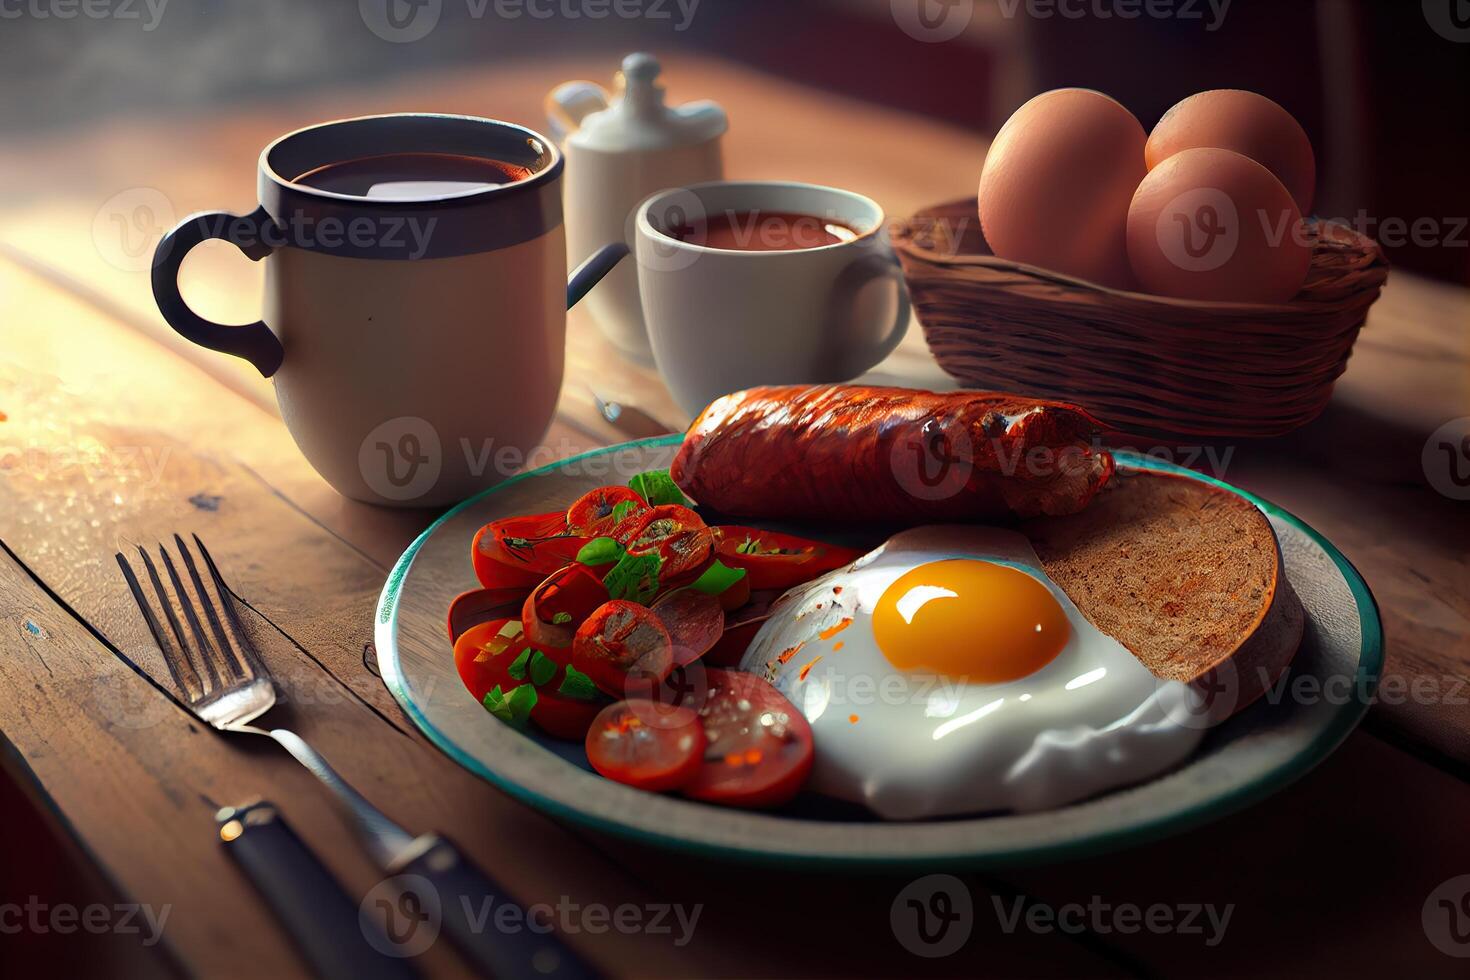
1056 185
1213 224
1251 124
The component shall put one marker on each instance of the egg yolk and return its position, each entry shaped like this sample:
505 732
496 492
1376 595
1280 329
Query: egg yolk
970 619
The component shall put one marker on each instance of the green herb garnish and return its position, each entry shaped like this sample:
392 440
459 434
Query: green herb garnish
517 668
577 685
657 487
561 617
600 551
622 510
634 578
515 708
717 578
543 668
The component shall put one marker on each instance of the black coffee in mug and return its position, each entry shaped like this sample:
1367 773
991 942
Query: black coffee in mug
412 176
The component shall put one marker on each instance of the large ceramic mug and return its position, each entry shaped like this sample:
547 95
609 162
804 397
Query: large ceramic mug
725 319
416 342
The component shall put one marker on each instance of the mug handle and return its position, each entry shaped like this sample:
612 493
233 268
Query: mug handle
860 360
254 341
592 271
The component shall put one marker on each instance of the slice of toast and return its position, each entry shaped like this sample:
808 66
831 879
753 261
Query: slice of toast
1186 576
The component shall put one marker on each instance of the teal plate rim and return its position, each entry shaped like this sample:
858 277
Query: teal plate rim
1347 717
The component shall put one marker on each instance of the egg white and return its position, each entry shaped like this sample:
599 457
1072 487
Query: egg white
914 744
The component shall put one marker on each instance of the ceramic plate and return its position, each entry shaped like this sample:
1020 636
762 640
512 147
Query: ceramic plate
1254 754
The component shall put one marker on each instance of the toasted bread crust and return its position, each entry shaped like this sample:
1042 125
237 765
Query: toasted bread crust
1186 576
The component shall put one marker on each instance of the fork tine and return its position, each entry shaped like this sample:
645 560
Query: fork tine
170 652
206 649
233 663
237 628
173 621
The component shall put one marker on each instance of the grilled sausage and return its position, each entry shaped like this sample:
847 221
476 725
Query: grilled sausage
859 453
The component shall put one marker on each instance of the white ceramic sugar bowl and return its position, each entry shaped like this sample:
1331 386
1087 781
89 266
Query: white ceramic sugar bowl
620 148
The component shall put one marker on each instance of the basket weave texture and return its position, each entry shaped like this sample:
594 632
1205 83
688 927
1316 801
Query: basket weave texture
1144 365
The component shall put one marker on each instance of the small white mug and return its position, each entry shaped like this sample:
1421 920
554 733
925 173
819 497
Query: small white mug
721 320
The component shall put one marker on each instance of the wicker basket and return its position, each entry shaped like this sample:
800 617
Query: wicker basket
1144 365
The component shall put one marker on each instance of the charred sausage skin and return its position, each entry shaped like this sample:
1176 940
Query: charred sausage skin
862 453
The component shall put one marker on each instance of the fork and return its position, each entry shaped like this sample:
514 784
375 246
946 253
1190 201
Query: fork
216 667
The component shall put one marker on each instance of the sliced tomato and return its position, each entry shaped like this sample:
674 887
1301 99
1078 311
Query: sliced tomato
480 606
778 561
623 648
625 746
536 545
560 604
679 537
694 620
561 716
596 513
485 656
483 653
758 749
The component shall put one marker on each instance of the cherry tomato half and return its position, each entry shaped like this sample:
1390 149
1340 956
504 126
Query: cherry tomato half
560 604
592 516
678 536
623 648
778 561
625 747
484 655
758 748
484 652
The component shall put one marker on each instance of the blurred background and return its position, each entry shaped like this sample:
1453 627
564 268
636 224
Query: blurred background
1378 84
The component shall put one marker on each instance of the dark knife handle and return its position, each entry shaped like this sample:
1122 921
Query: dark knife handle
469 901
310 903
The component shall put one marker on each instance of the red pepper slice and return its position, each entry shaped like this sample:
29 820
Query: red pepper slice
537 545
679 537
778 561
560 604
592 515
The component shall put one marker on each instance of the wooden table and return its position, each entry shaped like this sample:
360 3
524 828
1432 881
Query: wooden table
118 433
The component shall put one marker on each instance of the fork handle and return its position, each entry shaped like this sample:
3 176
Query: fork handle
472 908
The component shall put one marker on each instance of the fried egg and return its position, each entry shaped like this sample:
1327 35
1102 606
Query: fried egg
943 673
